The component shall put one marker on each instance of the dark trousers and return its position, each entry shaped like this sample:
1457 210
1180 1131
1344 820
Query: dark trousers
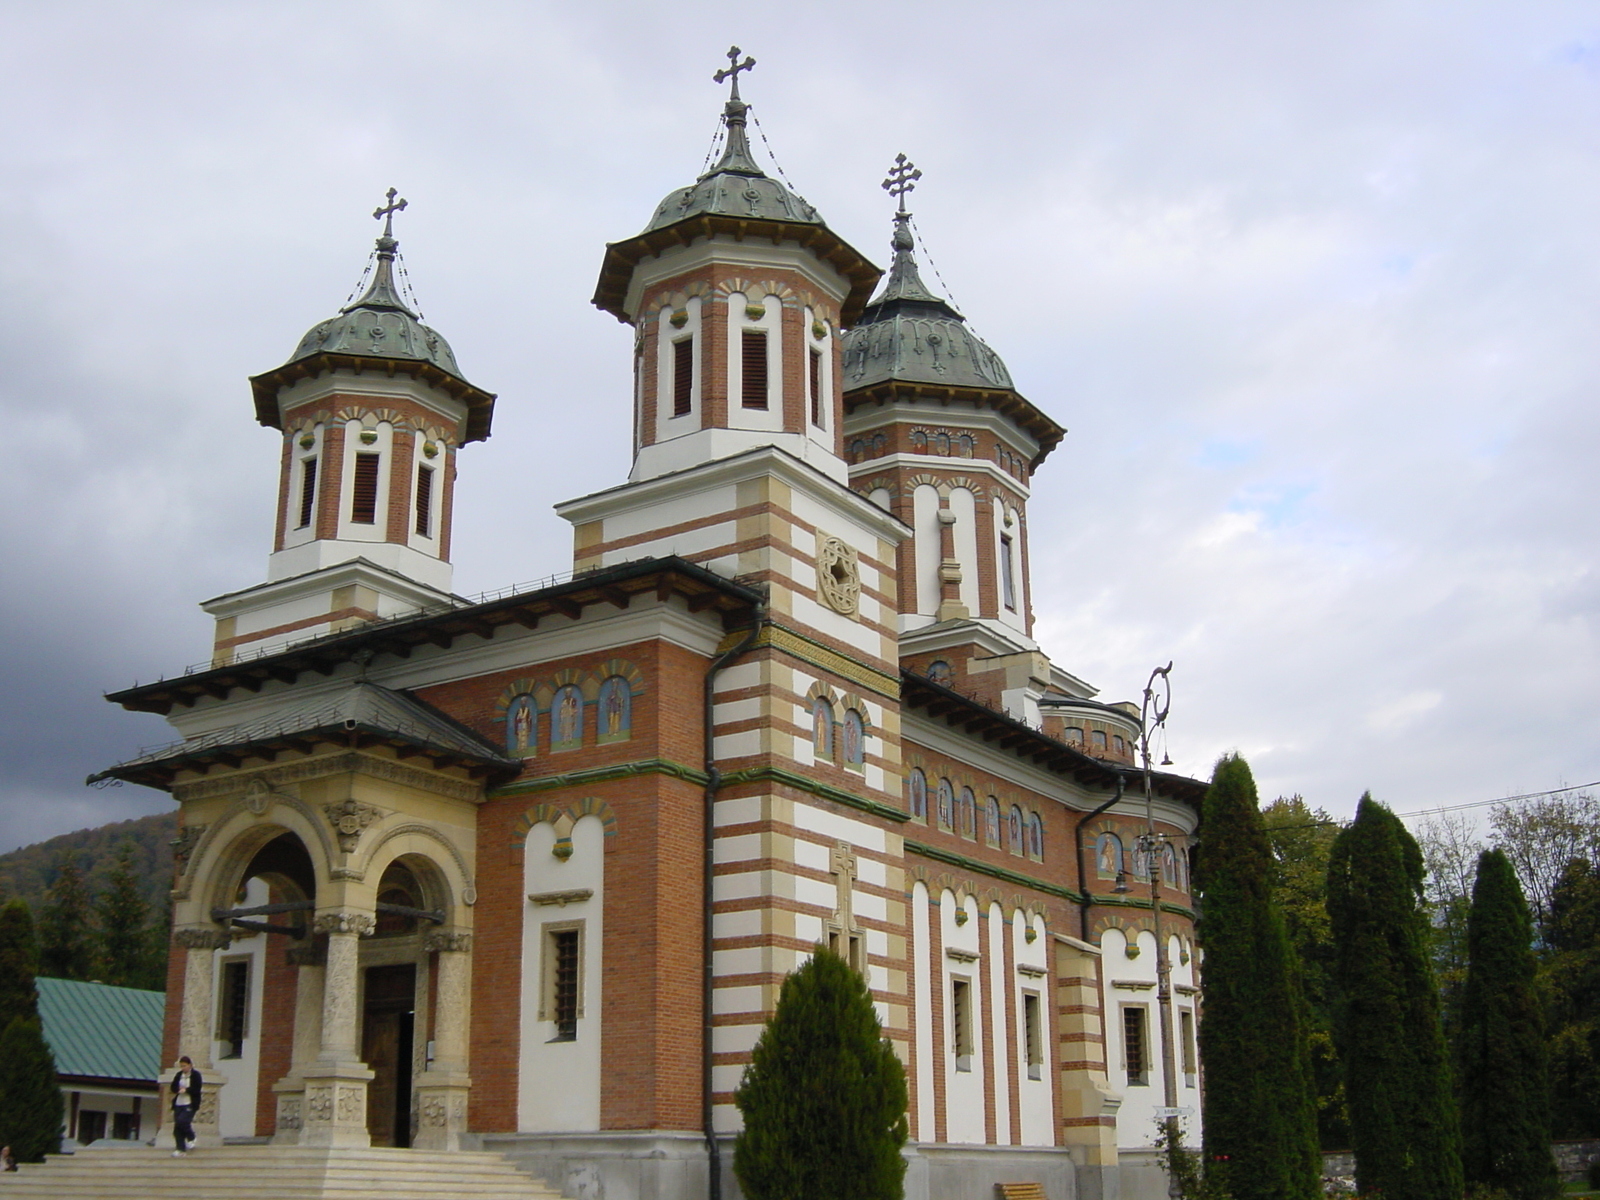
183 1125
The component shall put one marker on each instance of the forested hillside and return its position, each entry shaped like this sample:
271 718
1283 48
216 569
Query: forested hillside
31 871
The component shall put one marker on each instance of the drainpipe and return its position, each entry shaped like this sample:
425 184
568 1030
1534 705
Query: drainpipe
713 784
1083 882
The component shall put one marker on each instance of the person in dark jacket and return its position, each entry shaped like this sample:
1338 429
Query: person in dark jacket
185 1103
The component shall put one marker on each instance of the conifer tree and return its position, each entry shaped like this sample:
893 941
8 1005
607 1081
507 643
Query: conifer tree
1403 1120
1259 1099
19 963
30 1096
122 912
1500 1053
1571 981
66 947
824 1097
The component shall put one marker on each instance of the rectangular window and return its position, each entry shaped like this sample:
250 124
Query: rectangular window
233 1006
816 389
1008 588
1134 1053
961 1022
563 979
754 388
1186 1036
364 493
682 377
308 490
1032 1035
424 500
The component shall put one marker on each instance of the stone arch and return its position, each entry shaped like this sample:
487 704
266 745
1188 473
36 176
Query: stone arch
222 847
454 885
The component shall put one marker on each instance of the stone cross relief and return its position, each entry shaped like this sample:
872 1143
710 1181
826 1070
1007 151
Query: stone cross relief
843 866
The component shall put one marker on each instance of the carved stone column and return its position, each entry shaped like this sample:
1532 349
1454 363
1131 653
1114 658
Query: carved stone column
310 958
200 945
335 1107
441 1090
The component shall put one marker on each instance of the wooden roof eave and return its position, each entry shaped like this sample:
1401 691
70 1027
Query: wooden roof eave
702 590
266 386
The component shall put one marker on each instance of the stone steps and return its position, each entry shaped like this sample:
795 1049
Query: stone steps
274 1173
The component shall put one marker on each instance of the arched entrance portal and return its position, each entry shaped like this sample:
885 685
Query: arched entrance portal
394 964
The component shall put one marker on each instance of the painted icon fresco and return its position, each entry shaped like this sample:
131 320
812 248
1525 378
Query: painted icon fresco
991 821
1108 855
969 819
917 794
854 739
615 709
822 728
522 723
947 804
1016 829
566 718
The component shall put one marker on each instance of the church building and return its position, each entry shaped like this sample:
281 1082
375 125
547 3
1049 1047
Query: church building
526 873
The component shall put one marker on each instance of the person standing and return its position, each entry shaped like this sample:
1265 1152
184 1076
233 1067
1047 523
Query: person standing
185 1103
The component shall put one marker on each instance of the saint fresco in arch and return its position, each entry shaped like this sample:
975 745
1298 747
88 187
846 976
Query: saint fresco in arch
520 718
566 717
1108 854
615 707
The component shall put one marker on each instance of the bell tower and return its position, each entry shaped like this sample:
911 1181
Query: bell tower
373 409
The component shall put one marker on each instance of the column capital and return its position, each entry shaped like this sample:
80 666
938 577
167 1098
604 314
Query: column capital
342 921
447 941
202 937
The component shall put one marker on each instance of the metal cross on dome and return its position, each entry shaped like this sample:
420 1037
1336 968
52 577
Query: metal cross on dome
903 178
731 71
388 212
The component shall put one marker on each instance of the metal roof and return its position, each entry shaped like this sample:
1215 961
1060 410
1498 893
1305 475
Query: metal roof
102 1032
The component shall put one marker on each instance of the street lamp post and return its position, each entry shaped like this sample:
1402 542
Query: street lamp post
1152 846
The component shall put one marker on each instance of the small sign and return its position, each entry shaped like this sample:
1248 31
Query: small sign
1163 1113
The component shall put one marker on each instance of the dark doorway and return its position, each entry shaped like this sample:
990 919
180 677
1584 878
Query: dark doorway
386 1032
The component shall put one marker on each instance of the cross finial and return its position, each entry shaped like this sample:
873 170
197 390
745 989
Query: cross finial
731 71
903 178
387 212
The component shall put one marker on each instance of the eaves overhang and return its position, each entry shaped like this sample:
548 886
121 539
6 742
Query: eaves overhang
701 590
616 269
976 719
1007 403
479 403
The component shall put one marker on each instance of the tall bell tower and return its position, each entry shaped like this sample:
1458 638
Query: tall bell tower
373 409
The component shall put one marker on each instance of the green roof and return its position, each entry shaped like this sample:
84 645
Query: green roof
102 1031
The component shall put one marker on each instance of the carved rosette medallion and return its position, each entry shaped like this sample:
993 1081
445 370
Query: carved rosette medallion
352 1105
838 575
434 1113
319 1103
349 820
288 1112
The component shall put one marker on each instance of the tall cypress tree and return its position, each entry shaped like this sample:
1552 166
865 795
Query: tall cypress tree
66 949
824 1097
1500 1054
1572 987
30 1097
1403 1121
19 963
1260 1107
123 912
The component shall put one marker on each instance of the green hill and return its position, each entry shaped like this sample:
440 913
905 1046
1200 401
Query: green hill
30 871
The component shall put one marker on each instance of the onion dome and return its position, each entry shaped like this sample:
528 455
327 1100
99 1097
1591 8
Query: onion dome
382 327
735 197
910 341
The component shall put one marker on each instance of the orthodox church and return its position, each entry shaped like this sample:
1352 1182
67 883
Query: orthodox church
525 873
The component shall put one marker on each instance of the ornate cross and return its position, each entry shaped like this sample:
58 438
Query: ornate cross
731 71
903 178
388 212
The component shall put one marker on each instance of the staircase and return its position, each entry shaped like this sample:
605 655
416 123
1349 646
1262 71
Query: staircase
272 1173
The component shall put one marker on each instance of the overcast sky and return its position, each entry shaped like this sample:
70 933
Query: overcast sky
1314 288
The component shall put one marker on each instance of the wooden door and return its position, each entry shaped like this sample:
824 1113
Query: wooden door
386 1048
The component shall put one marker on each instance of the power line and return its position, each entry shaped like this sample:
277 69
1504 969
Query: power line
1430 812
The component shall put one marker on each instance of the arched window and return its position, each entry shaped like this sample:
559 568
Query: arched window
939 672
917 794
522 727
616 709
1099 739
854 739
879 444
969 813
399 887
1169 865
919 440
1074 736
566 718
1036 836
1016 830
1119 744
822 728
991 821
964 445
941 443
1108 855
947 803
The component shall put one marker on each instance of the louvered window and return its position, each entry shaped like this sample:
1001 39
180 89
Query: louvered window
754 390
1134 1055
816 388
364 495
308 490
564 982
424 500
682 377
961 1022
